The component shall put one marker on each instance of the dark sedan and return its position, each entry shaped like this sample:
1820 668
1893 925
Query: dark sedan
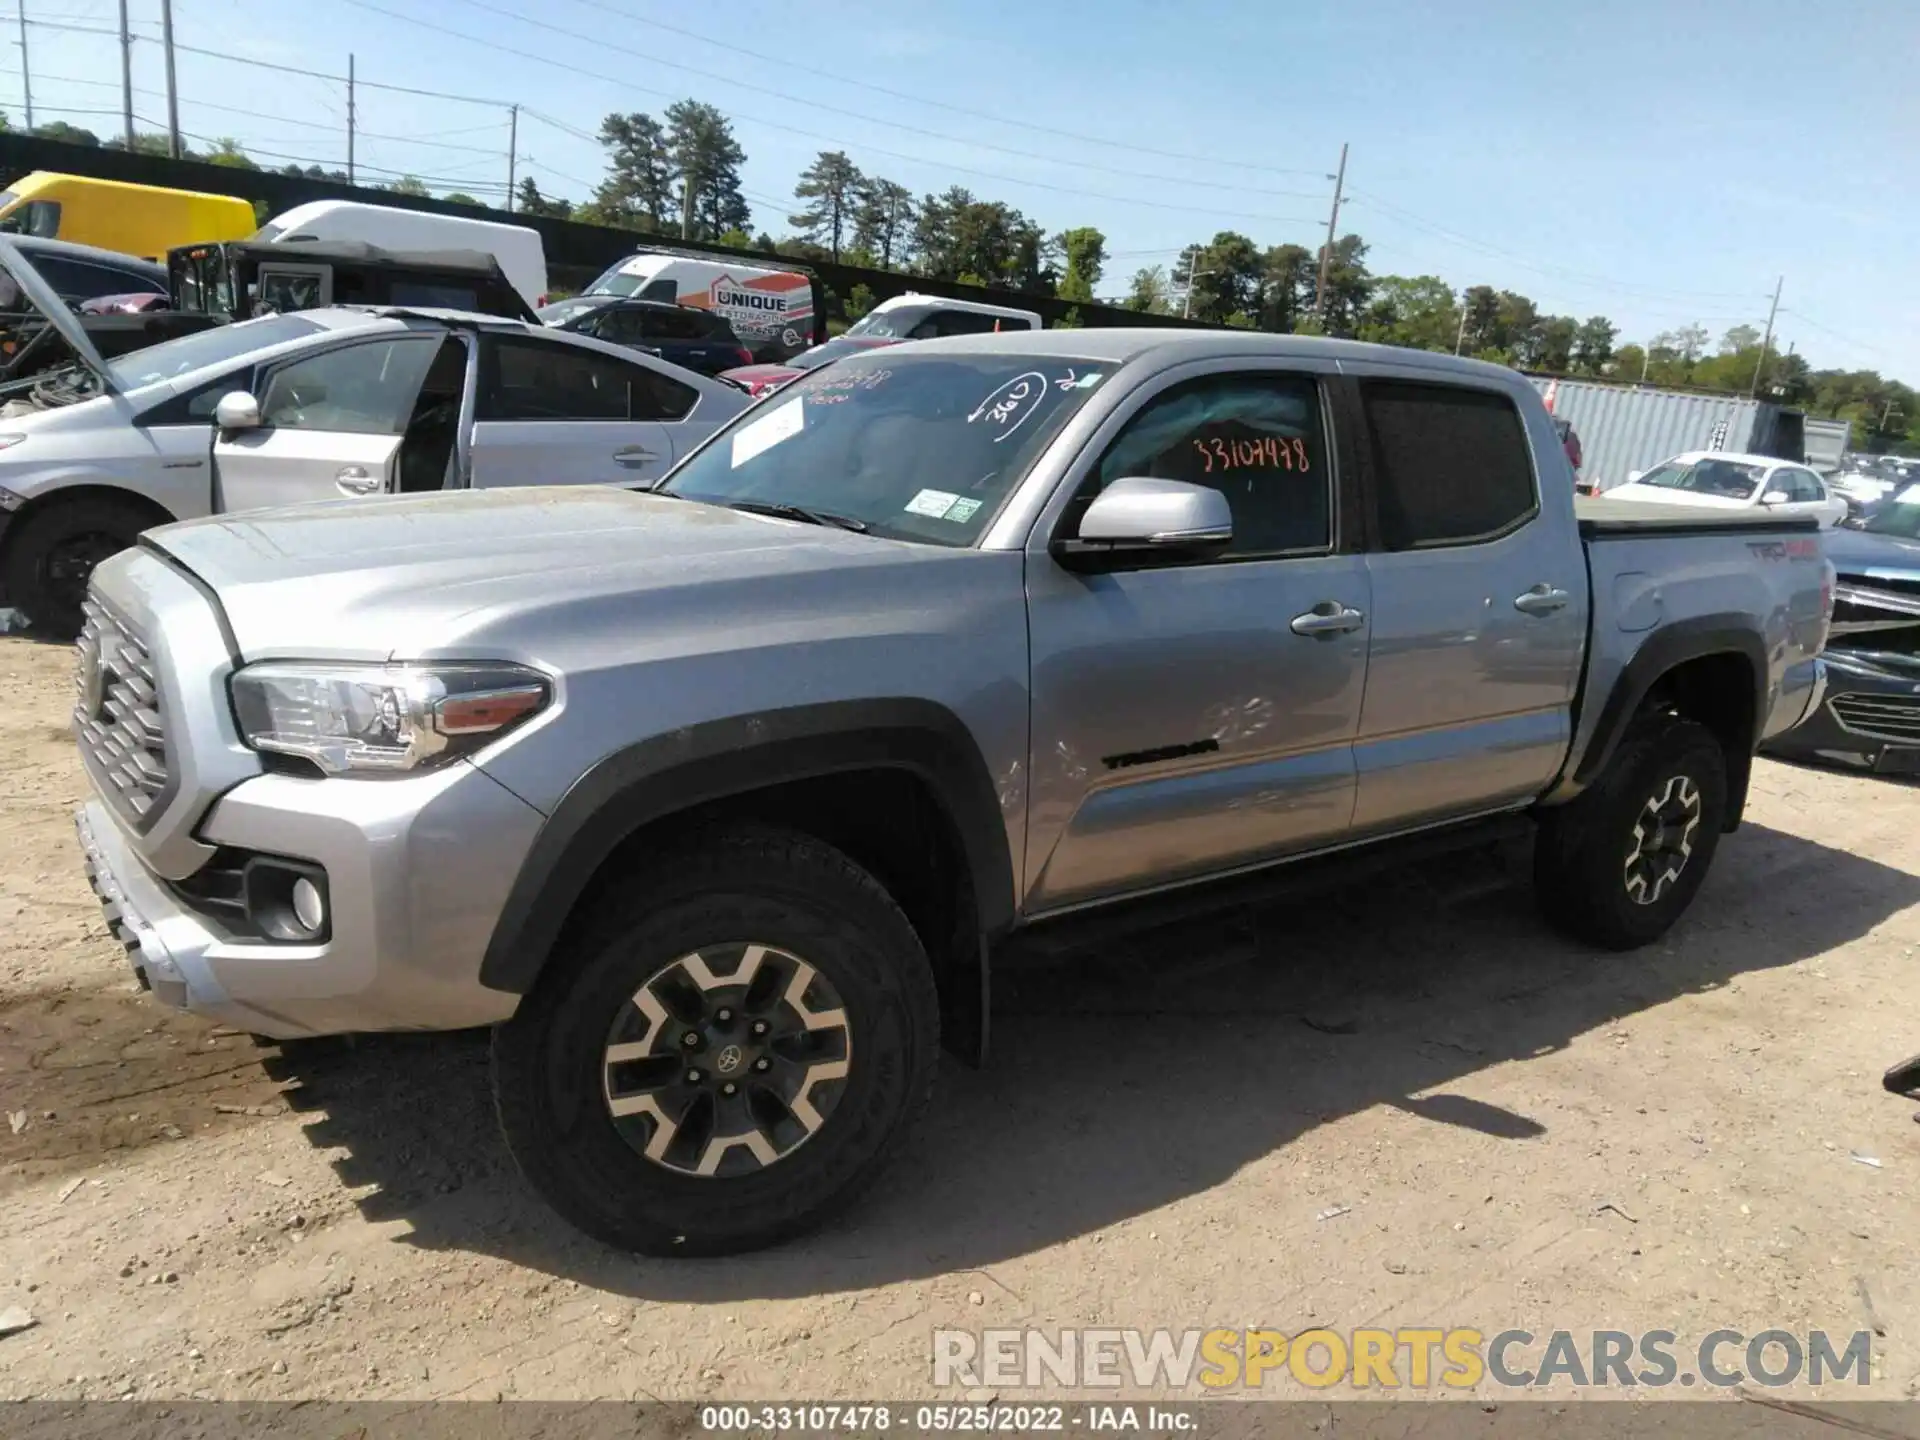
1871 717
698 340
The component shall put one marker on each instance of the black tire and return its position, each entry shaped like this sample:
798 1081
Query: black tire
746 886
53 552
1588 881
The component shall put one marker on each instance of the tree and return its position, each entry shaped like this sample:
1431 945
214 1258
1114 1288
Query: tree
1557 335
638 190
1593 344
834 184
1740 337
956 236
1085 250
1629 363
1482 321
883 223
409 185
529 201
1417 312
859 302
1151 295
149 142
706 162
460 197
61 130
1221 278
1287 275
314 172
226 151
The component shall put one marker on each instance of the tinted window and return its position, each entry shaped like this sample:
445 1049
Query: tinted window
1800 485
1257 439
914 447
358 389
82 280
1451 465
527 379
672 324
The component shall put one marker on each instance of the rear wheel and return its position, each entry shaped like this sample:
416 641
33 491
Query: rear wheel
52 555
728 1054
1617 867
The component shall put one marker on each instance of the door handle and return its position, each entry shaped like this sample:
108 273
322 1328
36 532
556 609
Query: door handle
354 480
1541 600
634 456
1329 617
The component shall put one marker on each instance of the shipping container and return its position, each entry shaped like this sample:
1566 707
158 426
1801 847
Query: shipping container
1827 444
1623 428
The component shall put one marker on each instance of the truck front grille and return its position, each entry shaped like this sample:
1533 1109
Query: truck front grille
1879 717
119 716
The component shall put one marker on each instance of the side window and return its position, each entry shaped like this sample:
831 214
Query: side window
1804 485
660 397
196 407
1259 439
43 218
968 322
1451 465
679 324
529 379
620 327
366 389
79 280
667 290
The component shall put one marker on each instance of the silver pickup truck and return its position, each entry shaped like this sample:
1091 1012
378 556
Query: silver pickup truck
718 800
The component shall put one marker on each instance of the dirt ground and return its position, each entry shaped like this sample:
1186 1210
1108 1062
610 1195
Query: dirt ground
1400 1109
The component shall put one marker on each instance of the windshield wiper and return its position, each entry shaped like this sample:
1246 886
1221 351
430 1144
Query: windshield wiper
779 510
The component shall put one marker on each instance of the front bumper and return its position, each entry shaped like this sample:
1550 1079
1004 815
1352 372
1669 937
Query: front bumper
1858 720
417 870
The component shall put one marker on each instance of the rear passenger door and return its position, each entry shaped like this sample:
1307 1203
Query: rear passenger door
1479 605
550 413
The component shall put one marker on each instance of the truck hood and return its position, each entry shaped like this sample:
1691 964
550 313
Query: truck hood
408 575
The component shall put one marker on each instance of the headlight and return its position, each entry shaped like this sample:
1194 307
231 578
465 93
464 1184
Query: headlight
382 718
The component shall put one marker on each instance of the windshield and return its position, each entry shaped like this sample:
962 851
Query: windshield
628 277
888 324
836 349
1901 518
914 447
562 311
1728 479
173 358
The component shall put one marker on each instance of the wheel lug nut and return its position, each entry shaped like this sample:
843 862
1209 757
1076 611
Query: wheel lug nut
694 1077
759 1027
690 1040
724 1016
728 1088
762 1063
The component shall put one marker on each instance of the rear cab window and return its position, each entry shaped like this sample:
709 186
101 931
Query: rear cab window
1451 464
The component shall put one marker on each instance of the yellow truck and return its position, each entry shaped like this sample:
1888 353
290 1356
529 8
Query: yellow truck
143 220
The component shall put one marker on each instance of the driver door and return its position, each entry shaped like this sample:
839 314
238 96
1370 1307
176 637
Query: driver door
330 426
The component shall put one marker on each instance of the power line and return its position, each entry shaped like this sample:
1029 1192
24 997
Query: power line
1806 319
787 63
523 55
601 42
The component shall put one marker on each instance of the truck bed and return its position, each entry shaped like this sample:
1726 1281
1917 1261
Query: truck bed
1600 517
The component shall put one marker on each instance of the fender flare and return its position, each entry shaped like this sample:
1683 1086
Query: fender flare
1665 651
722 759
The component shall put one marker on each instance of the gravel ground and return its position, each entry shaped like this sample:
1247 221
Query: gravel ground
1420 1112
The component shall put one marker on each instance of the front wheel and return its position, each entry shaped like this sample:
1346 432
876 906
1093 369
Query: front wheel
1618 866
728 1054
51 557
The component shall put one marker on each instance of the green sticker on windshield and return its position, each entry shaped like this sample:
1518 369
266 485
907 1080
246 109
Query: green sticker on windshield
943 505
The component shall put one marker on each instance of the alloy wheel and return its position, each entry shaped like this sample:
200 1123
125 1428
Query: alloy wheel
1662 840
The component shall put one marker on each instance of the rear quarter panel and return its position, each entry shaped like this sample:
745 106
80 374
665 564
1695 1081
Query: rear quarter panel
1771 582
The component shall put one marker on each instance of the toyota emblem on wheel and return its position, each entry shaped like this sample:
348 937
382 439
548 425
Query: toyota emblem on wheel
728 1060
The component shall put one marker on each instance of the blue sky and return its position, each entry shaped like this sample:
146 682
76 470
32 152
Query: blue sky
1657 163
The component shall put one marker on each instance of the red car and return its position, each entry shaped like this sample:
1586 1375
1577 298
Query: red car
759 379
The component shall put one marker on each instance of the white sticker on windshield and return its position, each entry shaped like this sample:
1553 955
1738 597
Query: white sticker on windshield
961 511
933 503
769 430
1909 496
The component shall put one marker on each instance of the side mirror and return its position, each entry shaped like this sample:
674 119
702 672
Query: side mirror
1775 497
1633 476
237 410
1136 517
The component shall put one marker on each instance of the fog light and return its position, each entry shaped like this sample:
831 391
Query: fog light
308 908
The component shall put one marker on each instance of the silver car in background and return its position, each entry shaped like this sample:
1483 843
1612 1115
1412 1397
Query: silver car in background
317 405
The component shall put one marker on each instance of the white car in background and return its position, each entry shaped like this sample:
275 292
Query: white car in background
315 405
1720 479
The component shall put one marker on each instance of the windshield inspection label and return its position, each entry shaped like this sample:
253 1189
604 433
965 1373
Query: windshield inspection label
768 431
943 505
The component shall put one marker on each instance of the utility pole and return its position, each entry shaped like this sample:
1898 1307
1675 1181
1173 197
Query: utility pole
350 116
126 75
1326 253
1186 303
26 78
1460 340
1767 341
686 207
513 148
173 94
